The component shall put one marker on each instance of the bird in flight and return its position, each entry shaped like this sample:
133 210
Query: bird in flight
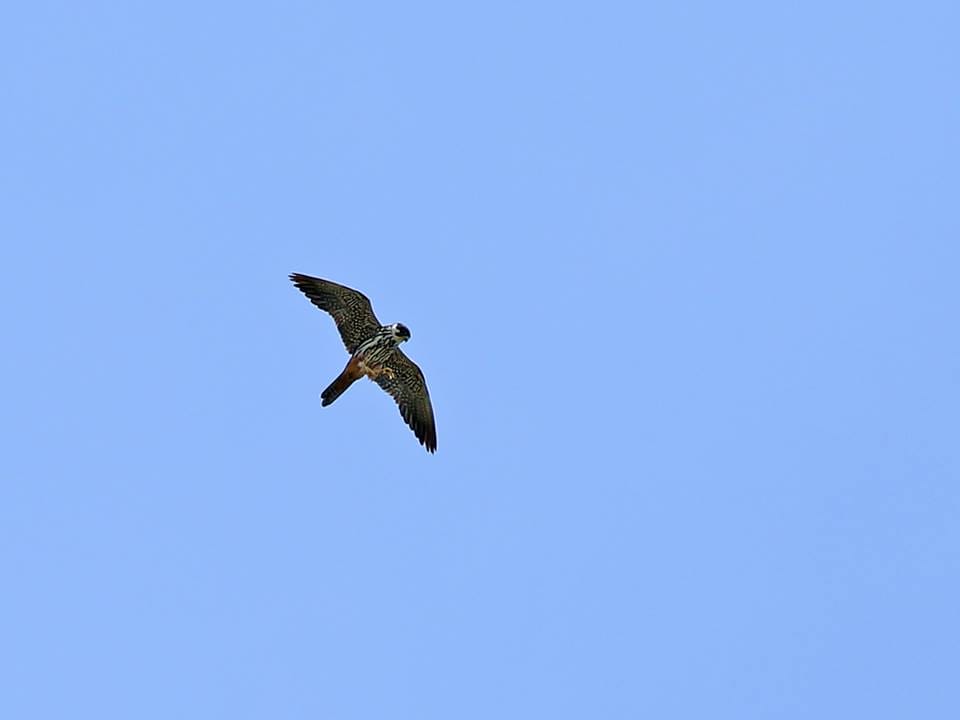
375 352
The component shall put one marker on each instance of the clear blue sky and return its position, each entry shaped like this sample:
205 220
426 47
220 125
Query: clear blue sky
683 279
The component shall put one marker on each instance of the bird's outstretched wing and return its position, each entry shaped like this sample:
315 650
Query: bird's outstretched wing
404 381
351 309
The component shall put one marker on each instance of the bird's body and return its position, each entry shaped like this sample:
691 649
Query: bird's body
369 359
374 353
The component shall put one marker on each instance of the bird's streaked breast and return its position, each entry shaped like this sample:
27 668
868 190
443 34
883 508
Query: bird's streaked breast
376 350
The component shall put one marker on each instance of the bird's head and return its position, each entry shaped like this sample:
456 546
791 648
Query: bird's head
401 332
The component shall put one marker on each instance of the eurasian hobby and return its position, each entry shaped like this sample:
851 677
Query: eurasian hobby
374 352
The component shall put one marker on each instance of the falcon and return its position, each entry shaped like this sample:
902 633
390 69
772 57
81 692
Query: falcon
375 352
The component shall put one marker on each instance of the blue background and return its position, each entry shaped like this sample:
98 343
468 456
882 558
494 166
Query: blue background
683 282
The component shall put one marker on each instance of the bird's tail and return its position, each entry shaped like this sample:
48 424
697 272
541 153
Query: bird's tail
338 386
